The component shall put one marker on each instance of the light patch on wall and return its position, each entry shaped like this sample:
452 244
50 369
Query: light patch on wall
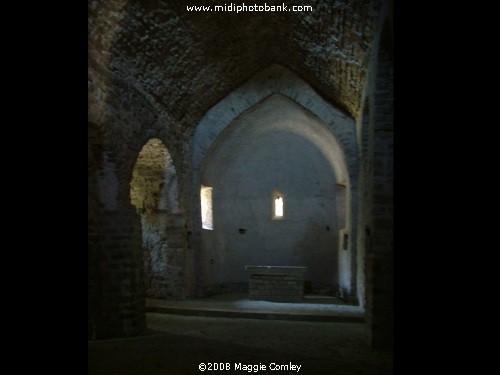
278 206
206 208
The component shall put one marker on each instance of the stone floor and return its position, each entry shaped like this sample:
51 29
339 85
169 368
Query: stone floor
237 305
177 344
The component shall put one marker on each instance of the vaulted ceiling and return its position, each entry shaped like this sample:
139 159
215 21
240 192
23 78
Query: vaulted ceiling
188 61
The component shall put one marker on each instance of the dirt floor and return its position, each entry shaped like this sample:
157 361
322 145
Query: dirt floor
175 344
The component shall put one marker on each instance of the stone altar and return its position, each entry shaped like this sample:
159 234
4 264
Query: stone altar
276 283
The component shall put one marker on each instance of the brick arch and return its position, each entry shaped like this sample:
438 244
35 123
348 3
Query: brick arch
153 167
155 194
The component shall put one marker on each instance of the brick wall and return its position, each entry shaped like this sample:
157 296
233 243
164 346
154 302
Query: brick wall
164 248
116 292
380 203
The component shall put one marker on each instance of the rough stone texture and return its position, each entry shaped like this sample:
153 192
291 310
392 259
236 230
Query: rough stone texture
380 276
164 247
155 71
363 240
118 300
184 60
278 284
154 193
154 180
376 197
277 288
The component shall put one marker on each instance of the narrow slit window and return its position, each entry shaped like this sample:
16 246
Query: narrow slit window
207 220
278 206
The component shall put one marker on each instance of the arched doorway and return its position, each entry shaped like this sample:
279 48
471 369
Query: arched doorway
154 193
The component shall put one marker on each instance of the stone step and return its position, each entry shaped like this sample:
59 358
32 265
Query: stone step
259 310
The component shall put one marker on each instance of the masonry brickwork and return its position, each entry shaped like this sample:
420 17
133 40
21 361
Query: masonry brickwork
156 70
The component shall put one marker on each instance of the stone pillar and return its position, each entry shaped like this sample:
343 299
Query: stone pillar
379 261
116 290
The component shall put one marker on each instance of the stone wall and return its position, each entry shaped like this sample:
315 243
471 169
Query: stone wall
116 292
156 70
274 146
337 144
164 248
381 256
154 193
377 239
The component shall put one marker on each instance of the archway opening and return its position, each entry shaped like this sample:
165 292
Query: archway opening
278 198
154 193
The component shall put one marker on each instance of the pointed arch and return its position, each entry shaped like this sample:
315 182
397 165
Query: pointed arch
154 193
333 133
